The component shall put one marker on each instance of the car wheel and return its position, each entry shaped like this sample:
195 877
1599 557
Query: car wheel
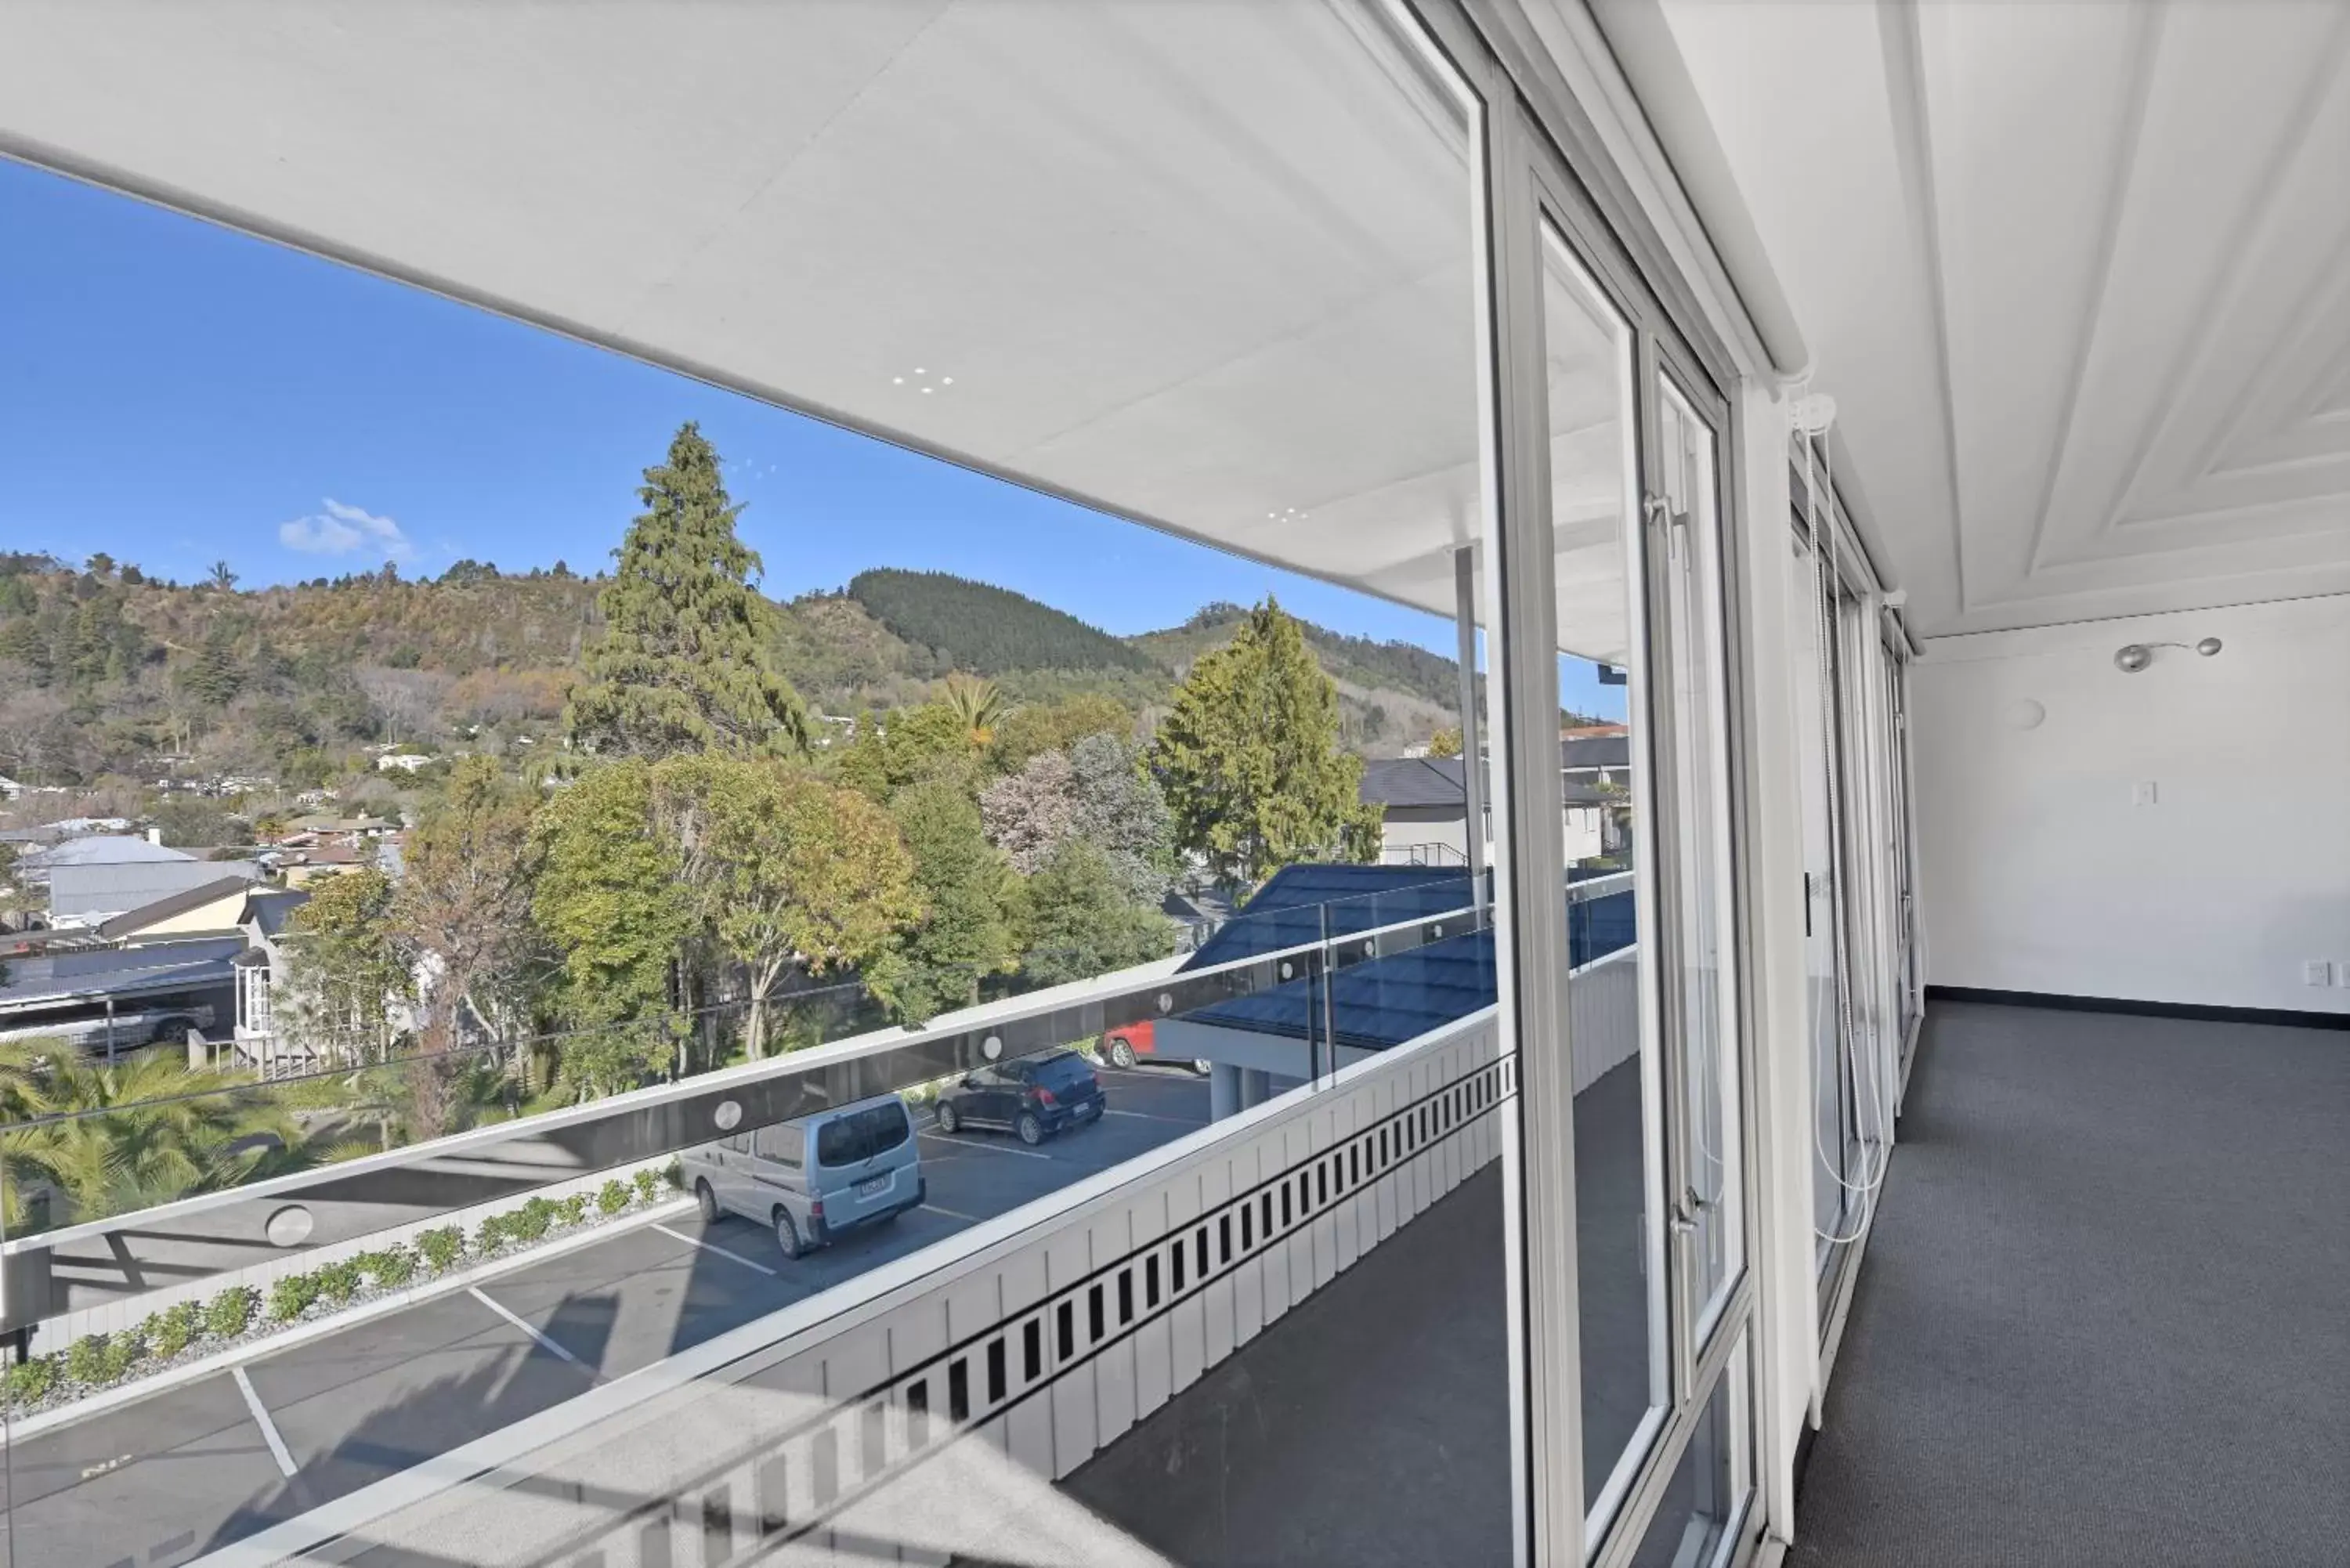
1121 1052
1203 1066
787 1235
948 1120
707 1201
1031 1130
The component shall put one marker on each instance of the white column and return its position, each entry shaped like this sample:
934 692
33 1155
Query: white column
1224 1092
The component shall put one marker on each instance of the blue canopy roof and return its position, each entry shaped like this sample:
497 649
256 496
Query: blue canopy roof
1287 911
1381 1001
1378 1003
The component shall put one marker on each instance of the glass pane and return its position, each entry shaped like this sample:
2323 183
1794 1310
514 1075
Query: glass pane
1612 1018
1215 268
1815 710
1703 1501
1704 989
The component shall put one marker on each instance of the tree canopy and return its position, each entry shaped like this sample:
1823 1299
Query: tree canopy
1250 759
1078 919
607 896
965 886
686 662
785 870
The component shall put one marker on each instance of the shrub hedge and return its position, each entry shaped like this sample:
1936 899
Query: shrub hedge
97 1360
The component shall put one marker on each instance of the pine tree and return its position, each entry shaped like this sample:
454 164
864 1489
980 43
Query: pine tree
1250 757
685 662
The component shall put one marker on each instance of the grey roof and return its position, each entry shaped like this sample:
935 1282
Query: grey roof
144 915
270 907
112 889
1412 781
102 850
1596 752
54 980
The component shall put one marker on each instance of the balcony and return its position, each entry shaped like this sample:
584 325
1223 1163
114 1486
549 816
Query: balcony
1927 1155
867 1379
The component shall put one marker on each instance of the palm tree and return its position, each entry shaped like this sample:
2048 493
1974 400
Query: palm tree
222 578
979 705
115 1139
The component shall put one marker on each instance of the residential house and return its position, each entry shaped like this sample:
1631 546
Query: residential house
1424 813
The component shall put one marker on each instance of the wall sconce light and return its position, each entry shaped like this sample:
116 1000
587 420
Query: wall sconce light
2136 656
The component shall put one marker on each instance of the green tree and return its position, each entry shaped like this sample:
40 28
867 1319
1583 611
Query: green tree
222 578
965 933
978 705
1078 919
908 745
1250 759
217 675
1445 743
608 898
684 664
162 1131
785 870
343 973
1034 728
462 917
101 564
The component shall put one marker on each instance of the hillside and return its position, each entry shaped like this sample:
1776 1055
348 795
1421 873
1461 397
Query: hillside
109 672
986 629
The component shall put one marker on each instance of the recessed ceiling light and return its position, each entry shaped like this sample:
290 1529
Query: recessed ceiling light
918 369
927 390
946 380
897 380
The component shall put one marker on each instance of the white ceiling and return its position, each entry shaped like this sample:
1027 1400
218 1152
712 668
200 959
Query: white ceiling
1205 265
2078 278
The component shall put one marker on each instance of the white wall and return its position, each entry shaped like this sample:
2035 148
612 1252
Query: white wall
2039 874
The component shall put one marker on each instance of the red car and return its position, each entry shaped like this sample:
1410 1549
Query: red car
1129 1043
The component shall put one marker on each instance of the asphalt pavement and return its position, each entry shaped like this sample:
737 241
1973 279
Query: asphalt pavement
164 1479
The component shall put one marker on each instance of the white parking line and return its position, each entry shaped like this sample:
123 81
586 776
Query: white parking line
951 1213
1147 1116
714 1247
261 1420
991 1148
545 1343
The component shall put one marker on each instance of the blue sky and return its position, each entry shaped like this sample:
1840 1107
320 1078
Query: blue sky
174 394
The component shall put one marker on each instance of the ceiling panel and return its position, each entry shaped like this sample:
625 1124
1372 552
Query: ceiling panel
2099 368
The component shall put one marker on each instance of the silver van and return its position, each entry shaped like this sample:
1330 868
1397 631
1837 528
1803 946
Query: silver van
815 1177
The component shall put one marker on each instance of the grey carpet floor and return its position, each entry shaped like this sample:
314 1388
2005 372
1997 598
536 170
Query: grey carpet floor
2104 1315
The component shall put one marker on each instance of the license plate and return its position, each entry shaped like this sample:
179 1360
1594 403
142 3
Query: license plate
1088 1112
873 1187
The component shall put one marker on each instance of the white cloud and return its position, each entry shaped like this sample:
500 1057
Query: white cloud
338 530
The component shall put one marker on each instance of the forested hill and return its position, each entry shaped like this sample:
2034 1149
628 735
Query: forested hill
1358 662
985 630
106 672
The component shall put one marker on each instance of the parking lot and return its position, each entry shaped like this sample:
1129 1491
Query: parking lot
166 1479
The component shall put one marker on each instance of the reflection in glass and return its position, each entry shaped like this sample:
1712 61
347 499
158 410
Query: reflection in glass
1612 1022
